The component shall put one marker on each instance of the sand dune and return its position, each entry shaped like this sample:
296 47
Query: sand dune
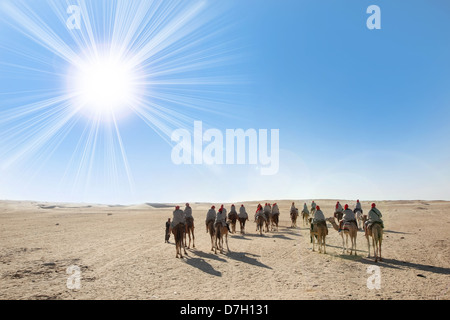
121 254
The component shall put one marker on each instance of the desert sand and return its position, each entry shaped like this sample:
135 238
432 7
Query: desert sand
121 253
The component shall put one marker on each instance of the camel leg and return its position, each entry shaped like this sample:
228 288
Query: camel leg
343 243
319 242
215 246
380 249
374 244
183 245
180 245
226 241
189 235
368 246
346 242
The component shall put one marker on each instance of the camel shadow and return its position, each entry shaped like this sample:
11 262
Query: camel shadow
418 266
242 236
397 264
202 265
340 247
281 236
246 257
391 231
206 255
290 230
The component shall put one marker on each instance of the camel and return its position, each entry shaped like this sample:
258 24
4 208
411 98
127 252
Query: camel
212 233
221 231
305 218
242 224
376 232
294 215
189 231
232 217
274 222
352 231
259 224
178 232
319 231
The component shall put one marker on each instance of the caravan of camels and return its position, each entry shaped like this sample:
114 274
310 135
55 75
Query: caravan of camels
347 222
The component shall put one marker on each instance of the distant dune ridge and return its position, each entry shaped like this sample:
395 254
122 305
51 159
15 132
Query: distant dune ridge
120 253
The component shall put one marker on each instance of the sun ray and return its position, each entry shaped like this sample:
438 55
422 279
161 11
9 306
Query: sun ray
176 68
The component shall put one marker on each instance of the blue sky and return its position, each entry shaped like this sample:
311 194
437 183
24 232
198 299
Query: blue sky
361 113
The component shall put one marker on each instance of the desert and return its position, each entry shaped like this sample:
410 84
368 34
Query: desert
120 253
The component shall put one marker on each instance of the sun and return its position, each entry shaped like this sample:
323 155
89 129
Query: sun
104 85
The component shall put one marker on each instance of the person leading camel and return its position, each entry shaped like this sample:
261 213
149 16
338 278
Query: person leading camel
167 237
210 216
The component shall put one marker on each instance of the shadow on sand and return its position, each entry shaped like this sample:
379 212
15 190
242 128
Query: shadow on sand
246 257
396 264
200 262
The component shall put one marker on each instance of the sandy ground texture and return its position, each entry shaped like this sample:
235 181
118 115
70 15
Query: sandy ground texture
120 253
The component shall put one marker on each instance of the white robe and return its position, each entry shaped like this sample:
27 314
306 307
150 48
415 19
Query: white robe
318 216
349 215
178 217
242 213
221 217
188 212
211 215
275 209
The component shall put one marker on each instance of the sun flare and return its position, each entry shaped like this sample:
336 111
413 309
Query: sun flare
104 85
